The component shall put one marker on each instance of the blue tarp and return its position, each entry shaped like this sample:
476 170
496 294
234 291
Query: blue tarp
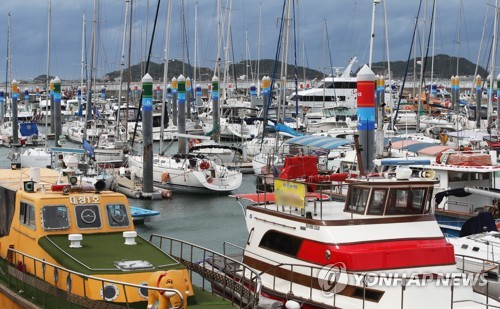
28 128
324 142
88 148
286 129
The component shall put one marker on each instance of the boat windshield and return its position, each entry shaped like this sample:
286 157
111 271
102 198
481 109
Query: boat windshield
392 201
117 215
55 217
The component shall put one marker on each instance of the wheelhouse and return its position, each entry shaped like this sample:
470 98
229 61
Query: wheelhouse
382 199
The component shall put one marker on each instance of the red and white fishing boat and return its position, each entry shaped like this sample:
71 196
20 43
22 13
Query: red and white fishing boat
381 248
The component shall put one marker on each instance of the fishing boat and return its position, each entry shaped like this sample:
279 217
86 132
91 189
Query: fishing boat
317 253
64 244
189 173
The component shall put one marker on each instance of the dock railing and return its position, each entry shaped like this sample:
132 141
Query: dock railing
218 273
47 285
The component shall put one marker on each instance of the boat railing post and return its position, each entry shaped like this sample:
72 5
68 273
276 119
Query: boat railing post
403 287
487 293
191 261
452 291
125 294
311 284
291 278
34 281
364 292
203 278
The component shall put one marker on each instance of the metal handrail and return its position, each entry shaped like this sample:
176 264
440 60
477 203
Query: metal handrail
58 268
251 284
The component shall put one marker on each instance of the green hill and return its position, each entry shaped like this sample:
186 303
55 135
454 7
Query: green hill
444 67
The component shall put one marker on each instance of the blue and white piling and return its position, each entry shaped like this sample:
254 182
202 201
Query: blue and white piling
15 125
2 105
174 101
181 104
57 111
479 94
147 133
215 108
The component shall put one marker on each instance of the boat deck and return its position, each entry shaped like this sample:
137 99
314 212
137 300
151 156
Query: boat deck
99 252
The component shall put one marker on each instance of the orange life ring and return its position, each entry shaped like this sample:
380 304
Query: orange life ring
165 177
205 165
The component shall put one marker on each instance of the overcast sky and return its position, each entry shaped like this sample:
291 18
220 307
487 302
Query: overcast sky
348 24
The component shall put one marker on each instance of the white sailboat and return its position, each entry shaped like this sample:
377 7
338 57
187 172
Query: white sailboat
188 172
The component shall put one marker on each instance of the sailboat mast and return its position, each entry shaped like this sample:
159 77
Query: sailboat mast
258 49
8 71
493 58
83 54
48 53
433 44
91 64
226 50
492 74
421 68
195 80
284 63
372 36
165 72
389 73
122 66
458 33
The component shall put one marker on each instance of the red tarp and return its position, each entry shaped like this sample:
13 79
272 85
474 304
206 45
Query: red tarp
299 167
464 159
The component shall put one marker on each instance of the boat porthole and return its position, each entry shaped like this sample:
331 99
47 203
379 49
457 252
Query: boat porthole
143 291
328 254
109 292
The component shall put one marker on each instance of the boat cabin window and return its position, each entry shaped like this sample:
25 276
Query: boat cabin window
55 217
377 203
27 215
87 216
406 201
117 215
281 242
458 176
358 199
7 202
479 176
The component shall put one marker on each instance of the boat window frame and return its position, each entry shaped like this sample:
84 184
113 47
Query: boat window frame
405 210
294 242
347 207
77 220
110 219
27 222
42 221
372 198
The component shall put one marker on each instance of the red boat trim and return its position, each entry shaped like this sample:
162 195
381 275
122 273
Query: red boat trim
380 255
